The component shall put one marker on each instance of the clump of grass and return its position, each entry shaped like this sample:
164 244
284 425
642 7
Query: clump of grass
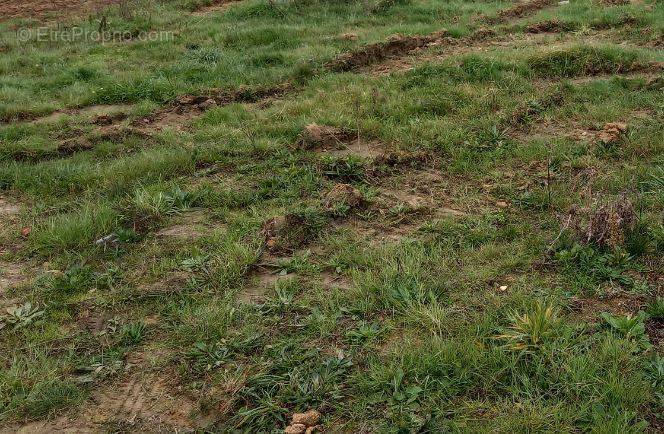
76 230
585 60
158 204
133 333
656 308
529 332
605 224
347 169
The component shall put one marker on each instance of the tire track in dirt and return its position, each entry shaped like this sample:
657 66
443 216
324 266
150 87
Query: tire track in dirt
399 45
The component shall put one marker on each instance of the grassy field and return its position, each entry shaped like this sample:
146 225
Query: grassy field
406 215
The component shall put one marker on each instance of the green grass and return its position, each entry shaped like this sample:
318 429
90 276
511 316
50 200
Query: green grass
458 297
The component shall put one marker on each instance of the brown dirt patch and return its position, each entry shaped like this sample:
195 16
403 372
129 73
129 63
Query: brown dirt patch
93 113
8 209
187 107
142 402
11 275
520 10
41 8
550 26
287 233
589 308
172 283
191 225
655 331
339 142
323 137
214 6
261 283
343 195
419 199
395 46
335 281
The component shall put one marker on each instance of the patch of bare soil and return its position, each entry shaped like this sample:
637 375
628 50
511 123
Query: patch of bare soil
8 209
331 281
520 10
403 205
186 107
419 198
172 283
11 275
214 6
287 233
343 195
395 46
550 26
189 226
261 283
140 402
40 8
655 331
94 113
329 140
589 308
324 137
482 40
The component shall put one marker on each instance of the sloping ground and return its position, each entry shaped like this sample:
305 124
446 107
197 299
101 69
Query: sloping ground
302 216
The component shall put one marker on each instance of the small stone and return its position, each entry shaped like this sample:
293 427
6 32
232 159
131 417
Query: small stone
503 288
502 204
296 428
310 418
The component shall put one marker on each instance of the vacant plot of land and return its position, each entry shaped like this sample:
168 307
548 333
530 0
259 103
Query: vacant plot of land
31 9
332 216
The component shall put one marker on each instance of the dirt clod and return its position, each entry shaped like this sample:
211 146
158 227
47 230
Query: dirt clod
108 119
286 233
550 26
315 136
296 428
349 37
343 195
402 159
310 418
520 10
395 46
613 132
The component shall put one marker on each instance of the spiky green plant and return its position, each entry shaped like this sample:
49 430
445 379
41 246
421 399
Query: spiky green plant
528 332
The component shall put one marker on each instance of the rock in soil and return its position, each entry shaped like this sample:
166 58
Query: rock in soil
316 136
310 418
